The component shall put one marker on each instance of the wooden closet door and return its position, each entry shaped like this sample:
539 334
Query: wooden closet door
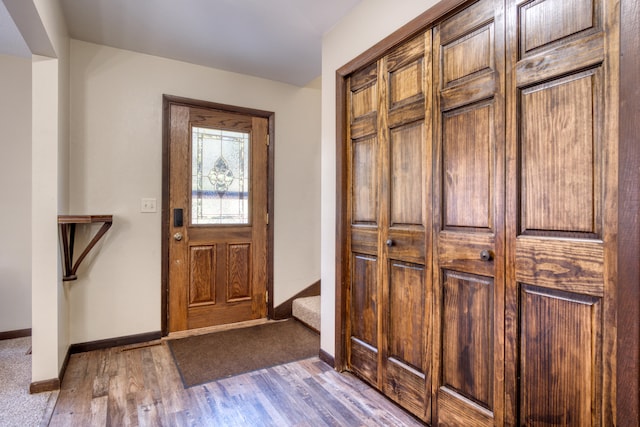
389 174
363 271
562 205
469 216
405 132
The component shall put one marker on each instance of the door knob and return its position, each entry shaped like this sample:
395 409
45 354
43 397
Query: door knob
485 255
389 242
177 236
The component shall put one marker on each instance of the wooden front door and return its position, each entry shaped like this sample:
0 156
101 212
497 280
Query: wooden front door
217 224
468 214
389 176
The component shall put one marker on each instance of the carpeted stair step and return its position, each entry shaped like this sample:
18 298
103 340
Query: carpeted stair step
307 310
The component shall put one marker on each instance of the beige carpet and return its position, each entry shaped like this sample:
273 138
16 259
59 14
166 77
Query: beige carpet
18 408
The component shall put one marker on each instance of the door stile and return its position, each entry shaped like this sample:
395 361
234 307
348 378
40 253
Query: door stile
260 133
383 224
511 344
611 228
347 217
179 152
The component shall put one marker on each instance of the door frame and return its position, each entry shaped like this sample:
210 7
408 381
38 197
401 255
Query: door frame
167 102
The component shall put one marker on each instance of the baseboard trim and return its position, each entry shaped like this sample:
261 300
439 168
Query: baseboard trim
44 386
283 311
18 333
52 384
327 358
114 342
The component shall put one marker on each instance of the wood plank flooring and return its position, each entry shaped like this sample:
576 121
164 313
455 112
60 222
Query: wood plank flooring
141 386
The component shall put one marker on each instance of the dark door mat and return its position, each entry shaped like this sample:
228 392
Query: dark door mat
204 358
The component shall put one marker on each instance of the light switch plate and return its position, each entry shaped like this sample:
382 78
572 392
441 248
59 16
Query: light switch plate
148 206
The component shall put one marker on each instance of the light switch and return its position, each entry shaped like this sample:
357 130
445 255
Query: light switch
148 205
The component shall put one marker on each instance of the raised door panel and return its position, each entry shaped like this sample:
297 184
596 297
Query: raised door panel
467 337
546 21
468 216
407 362
202 275
559 363
560 156
406 158
238 283
467 168
365 184
364 317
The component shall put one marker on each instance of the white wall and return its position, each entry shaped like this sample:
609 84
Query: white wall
15 193
42 26
115 160
368 23
49 124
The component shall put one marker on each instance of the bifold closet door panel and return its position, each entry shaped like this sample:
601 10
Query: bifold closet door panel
389 173
405 129
363 174
468 216
562 211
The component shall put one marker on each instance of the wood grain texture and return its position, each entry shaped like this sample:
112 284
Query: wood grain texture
202 274
365 180
455 410
581 243
406 162
364 299
406 314
557 131
468 214
546 21
239 272
467 336
562 60
171 105
565 86
468 55
560 363
468 168
628 290
229 266
570 265
143 387
388 184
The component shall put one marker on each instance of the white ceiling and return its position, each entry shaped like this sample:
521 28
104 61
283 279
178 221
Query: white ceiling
274 39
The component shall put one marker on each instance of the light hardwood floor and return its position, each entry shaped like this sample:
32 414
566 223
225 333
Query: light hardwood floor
140 386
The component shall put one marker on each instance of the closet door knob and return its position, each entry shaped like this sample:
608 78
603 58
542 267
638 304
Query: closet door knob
389 242
485 255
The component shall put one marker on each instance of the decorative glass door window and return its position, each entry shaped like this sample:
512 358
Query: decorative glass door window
220 177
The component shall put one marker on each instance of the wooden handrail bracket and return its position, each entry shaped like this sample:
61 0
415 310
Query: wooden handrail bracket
68 234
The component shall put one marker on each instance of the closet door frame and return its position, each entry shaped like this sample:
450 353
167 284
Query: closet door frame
627 334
